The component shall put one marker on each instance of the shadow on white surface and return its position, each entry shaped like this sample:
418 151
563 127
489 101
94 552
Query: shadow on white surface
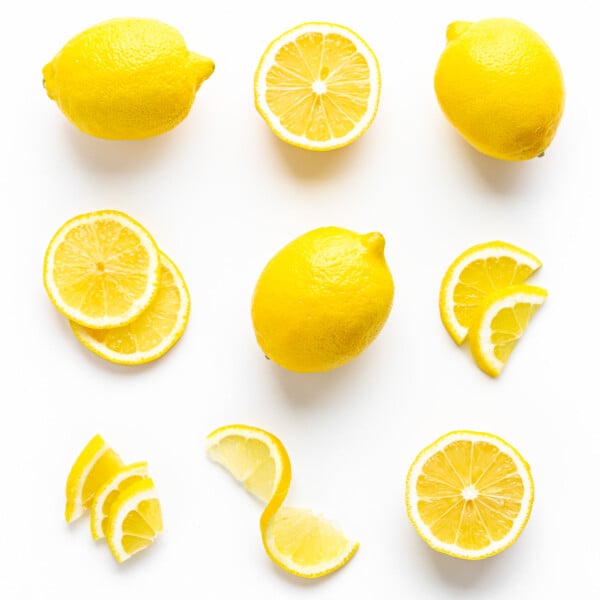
111 156
311 165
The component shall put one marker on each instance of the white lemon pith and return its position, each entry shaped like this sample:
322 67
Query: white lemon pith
317 86
469 495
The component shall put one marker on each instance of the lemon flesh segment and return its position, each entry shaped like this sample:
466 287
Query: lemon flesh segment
96 463
296 540
322 299
500 323
101 269
501 87
153 333
108 493
126 79
469 494
134 520
305 544
317 86
474 275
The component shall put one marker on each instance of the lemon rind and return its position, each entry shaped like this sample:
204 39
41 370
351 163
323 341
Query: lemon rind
154 270
411 497
495 249
480 332
140 358
267 61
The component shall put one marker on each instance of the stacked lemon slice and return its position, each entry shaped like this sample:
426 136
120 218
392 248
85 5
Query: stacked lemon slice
483 296
125 299
297 540
121 498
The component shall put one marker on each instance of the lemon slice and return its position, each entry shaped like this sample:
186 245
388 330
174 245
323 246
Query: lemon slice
96 463
134 521
500 323
295 539
476 273
101 269
469 494
317 86
108 493
306 544
153 333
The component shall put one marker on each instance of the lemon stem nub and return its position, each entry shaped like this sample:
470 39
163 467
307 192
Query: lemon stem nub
456 29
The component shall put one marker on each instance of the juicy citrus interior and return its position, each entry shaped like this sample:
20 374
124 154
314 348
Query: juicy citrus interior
469 496
318 86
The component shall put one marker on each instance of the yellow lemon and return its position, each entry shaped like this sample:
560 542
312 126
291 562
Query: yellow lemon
501 87
322 299
126 79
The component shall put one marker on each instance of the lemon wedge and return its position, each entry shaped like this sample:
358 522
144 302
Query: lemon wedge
107 494
297 540
134 521
469 494
500 323
476 273
96 463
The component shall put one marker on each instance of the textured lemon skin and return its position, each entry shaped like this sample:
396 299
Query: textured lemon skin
501 87
322 299
126 79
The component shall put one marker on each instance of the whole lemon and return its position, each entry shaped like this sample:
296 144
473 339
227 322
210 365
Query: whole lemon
126 79
322 299
499 84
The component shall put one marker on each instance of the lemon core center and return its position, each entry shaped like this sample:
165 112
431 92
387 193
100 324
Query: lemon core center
470 493
319 87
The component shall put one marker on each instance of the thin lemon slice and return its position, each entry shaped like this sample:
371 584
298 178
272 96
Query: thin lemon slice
499 324
306 544
108 493
153 333
101 269
96 463
134 521
469 494
317 86
295 539
476 273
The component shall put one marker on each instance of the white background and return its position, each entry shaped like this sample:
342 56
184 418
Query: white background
221 195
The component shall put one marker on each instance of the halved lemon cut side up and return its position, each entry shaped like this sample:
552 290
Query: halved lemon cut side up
317 86
297 540
469 495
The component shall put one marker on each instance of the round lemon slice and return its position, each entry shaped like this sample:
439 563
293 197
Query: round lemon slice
499 324
96 463
476 273
153 333
297 540
317 86
101 269
108 493
134 521
469 494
